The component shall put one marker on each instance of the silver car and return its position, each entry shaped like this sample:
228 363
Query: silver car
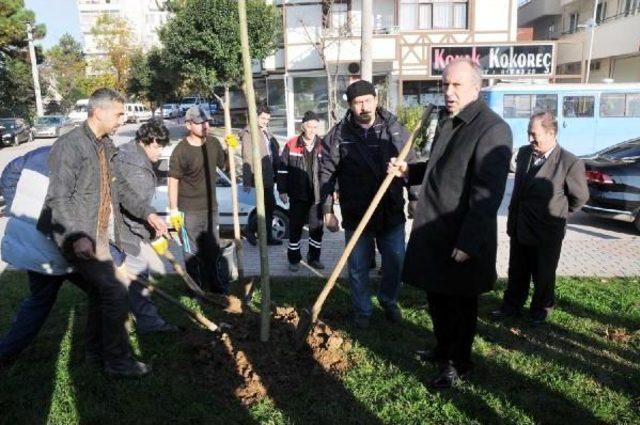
50 126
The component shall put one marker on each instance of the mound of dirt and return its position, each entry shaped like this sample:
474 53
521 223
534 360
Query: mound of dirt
241 364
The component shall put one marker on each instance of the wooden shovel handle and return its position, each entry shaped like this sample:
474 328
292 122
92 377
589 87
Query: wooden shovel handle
317 306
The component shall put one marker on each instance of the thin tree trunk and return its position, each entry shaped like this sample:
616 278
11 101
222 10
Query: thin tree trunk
257 172
366 37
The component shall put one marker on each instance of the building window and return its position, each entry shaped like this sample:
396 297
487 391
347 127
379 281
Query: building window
573 22
336 14
525 105
629 7
601 12
620 105
416 93
433 14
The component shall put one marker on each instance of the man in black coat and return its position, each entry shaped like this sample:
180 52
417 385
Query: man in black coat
550 183
355 157
452 248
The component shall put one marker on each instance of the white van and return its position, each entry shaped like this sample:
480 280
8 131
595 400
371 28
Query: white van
136 112
79 113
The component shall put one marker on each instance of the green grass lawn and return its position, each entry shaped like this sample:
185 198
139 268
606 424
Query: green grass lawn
582 367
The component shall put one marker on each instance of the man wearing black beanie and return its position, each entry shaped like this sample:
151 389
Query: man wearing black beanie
355 157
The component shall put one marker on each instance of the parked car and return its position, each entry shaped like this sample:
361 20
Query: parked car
247 211
136 112
50 126
613 175
79 113
188 102
168 110
15 131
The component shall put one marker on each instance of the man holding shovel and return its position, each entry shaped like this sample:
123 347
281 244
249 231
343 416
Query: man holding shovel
134 166
452 249
357 151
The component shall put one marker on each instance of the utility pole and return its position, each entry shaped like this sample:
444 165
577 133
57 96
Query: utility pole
592 27
256 139
34 72
366 37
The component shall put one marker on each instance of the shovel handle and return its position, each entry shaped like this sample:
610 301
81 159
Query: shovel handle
317 306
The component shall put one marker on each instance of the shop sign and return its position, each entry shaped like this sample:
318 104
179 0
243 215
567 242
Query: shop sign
512 60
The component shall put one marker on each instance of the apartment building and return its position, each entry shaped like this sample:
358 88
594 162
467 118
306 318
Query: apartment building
615 51
145 17
412 42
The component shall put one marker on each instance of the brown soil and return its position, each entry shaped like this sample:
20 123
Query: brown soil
241 364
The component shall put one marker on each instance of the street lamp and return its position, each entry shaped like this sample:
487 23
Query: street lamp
34 72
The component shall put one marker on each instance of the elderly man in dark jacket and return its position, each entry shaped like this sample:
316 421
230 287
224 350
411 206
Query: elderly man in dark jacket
550 183
82 215
357 151
134 165
452 248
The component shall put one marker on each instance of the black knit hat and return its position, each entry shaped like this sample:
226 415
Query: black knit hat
308 116
360 88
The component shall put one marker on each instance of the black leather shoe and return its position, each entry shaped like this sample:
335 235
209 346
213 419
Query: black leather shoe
393 315
429 356
273 242
448 378
316 264
503 313
130 369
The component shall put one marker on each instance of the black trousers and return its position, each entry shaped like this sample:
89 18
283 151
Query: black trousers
269 207
455 320
301 213
201 248
527 262
106 335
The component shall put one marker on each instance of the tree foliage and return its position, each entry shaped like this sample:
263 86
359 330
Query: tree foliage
113 35
203 39
65 68
153 77
16 85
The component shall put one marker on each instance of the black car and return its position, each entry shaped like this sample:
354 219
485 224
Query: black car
613 175
14 131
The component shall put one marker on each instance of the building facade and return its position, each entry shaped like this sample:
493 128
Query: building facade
615 50
145 17
322 38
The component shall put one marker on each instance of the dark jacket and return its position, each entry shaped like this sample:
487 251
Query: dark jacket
73 197
270 160
136 171
462 187
295 178
544 196
346 160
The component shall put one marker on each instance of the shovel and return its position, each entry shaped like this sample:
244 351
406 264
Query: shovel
309 319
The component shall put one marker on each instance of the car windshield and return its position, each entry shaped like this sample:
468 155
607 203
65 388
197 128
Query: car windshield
189 100
48 121
624 151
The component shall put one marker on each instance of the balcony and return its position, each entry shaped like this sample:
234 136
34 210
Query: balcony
611 38
537 9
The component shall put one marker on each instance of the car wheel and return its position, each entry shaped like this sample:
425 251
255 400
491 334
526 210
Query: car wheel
637 222
279 224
